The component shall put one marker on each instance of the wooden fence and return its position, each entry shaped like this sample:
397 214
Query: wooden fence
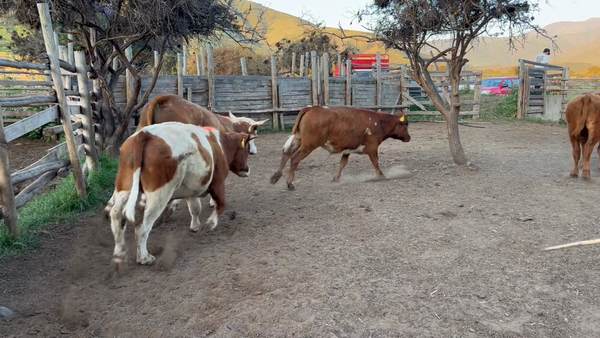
62 86
281 98
545 89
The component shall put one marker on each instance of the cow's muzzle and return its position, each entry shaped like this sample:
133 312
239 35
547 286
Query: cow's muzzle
244 173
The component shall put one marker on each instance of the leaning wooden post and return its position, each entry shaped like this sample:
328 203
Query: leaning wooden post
197 64
301 65
52 51
293 74
86 106
326 79
275 119
313 63
202 62
7 194
244 67
521 96
211 78
348 83
179 75
378 99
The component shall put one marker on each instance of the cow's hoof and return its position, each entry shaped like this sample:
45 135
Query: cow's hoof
291 186
148 260
574 175
336 179
585 175
118 260
276 176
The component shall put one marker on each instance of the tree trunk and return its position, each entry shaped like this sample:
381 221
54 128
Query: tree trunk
456 149
117 139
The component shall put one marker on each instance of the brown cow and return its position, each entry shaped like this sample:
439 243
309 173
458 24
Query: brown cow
340 130
583 120
172 108
170 161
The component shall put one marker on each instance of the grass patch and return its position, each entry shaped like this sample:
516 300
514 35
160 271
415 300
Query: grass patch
58 205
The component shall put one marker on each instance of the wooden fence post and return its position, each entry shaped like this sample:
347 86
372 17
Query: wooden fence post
340 67
179 75
301 65
348 83
477 95
63 54
313 64
156 60
307 59
202 62
378 89
86 106
564 83
52 51
211 78
115 62
197 65
293 74
404 88
128 77
274 92
244 67
185 61
7 194
521 95
326 78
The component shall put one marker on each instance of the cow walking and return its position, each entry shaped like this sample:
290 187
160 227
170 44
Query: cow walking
340 130
171 161
583 120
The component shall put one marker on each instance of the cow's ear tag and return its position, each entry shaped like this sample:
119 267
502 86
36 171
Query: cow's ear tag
243 143
402 118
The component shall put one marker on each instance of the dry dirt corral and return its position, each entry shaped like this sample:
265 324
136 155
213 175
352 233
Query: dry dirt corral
446 252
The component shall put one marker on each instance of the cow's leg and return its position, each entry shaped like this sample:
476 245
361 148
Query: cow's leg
156 202
575 144
195 208
118 225
212 202
343 163
374 157
295 160
217 191
587 154
171 207
290 148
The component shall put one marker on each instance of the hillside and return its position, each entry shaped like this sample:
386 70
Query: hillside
579 43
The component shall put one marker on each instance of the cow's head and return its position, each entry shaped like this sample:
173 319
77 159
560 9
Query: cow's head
250 127
400 131
237 148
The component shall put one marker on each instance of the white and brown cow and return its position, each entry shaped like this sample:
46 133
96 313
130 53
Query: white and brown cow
171 161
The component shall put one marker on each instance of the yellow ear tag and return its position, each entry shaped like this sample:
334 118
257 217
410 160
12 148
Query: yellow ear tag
402 119
243 143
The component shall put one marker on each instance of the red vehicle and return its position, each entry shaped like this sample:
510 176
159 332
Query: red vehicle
363 64
499 85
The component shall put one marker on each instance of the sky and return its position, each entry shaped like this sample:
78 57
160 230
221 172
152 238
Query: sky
340 11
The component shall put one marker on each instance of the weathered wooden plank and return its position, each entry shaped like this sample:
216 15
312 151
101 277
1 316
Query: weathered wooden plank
23 65
31 123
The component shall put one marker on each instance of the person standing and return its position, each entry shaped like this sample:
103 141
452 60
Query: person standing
543 58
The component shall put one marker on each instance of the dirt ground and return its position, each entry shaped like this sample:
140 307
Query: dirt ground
444 252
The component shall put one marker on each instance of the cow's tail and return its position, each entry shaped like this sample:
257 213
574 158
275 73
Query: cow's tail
289 144
299 118
157 101
583 116
138 155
